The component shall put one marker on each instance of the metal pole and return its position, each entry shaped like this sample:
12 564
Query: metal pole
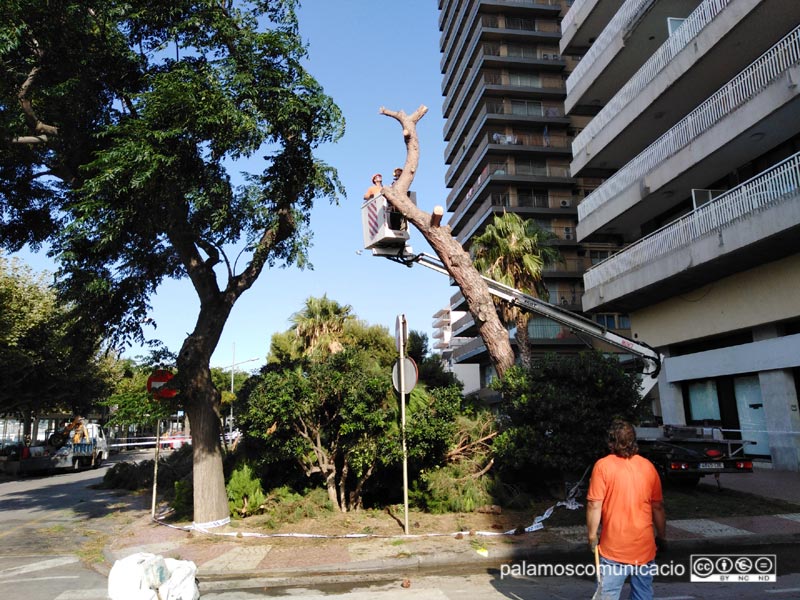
403 419
155 468
233 364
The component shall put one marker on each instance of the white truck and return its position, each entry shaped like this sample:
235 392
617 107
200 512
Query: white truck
79 445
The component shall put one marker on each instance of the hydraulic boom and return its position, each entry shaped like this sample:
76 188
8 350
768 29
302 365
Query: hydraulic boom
573 321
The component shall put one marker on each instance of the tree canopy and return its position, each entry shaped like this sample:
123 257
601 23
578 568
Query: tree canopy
124 128
43 367
514 252
334 413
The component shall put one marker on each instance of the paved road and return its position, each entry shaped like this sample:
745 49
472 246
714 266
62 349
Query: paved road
488 585
51 527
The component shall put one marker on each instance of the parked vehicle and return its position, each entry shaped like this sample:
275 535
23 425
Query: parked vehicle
79 445
684 454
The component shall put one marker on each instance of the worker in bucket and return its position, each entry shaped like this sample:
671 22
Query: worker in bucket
625 497
375 188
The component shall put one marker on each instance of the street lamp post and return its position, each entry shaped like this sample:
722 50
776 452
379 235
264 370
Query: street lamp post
234 364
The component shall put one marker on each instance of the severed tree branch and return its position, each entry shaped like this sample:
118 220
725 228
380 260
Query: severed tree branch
454 258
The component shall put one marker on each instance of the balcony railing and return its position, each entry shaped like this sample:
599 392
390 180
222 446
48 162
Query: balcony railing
516 170
524 108
767 189
688 30
624 16
738 91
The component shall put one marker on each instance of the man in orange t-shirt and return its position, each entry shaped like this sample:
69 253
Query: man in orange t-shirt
625 496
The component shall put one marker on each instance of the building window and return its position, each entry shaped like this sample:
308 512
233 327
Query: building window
598 256
524 79
526 108
703 401
605 320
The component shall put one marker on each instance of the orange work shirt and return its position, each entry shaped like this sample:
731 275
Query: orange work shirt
627 487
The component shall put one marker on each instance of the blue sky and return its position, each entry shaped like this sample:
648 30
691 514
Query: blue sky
366 54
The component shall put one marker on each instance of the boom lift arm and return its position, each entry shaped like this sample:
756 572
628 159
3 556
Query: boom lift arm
574 322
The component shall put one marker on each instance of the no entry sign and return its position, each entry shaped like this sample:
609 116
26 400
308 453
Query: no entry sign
156 383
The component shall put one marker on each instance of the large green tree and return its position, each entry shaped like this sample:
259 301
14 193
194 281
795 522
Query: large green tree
43 367
514 252
320 325
121 124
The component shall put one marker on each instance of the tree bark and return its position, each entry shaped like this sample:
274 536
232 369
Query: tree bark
523 339
449 250
202 402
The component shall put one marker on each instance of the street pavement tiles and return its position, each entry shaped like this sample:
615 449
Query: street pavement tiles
708 528
244 558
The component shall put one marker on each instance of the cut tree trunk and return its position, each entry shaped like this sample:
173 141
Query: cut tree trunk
449 250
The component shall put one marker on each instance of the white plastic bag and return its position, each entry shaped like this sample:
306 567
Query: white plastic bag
138 576
131 577
181 584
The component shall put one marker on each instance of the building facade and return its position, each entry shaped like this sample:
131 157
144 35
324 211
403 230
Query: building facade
508 149
690 115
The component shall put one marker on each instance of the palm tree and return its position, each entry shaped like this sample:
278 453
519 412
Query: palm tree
319 326
515 252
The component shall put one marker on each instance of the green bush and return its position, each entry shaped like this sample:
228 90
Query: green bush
284 505
183 500
245 494
176 466
556 415
453 488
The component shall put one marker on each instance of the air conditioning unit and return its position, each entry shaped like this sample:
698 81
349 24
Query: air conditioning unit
565 203
568 233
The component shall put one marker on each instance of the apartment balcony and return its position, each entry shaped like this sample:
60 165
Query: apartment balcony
543 335
755 222
690 66
518 25
472 352
584 22
568 268
474 222
524 173
753 113
498 112
530 145
483 47
634 33
458 302
497 83
465 327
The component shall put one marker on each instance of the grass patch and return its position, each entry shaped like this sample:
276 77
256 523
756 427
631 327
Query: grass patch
90 551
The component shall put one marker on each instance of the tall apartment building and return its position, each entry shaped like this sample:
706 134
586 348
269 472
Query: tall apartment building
508 146
691 113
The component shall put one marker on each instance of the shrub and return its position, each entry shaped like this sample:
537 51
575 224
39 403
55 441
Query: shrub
176 466
183 500
245 495
556 414
284 505
453 488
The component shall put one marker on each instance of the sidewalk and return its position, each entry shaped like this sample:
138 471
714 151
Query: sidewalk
227 553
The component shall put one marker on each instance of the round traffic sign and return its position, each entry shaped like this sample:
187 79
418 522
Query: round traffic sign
156 383
409 374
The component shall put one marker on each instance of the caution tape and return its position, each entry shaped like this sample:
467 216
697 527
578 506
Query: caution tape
570 503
